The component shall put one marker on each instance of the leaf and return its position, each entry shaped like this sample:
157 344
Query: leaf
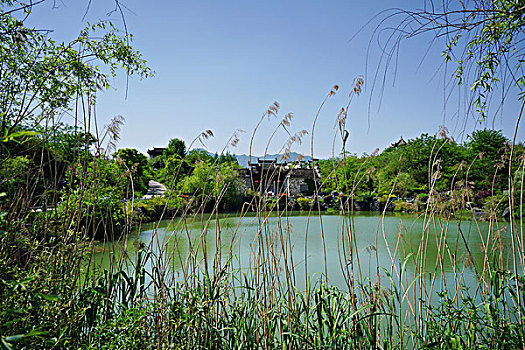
6 344
48 297
15 135
13 338
8 340
36 333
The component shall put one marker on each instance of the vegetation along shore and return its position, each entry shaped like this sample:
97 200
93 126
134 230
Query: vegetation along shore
104 247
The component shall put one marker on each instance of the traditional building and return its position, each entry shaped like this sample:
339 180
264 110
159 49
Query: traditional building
401 142
155 152
291 179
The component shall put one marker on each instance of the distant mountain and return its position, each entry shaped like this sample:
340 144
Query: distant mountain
244 159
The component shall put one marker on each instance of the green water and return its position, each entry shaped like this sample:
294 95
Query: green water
381 245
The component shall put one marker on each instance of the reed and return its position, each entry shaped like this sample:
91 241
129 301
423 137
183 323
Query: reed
54 294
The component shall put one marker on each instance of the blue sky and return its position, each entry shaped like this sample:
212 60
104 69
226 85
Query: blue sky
220 64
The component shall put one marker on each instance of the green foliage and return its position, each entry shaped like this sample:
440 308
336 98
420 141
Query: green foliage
271 204
175 164
470 325
422 197
227 158
207 179
305 203
42 75
136 167
350 175
40 81
92 201
150 210
488 32
404 207
489 150
425 164
489 142
52 296
175 147
198 155
67 144
129 329
405 184
175 169
495 205
15 135
212 181
118 309
16 173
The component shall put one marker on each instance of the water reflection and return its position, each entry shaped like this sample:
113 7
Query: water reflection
308 244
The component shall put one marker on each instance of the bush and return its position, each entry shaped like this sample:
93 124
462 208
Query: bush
386 198
423 197
97 215
480 196
495 205
151 209
403 207
304 203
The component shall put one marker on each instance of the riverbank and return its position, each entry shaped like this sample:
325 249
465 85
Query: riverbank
153 209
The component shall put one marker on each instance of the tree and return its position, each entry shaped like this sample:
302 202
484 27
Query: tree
40 80
483 40
40 77
212 182
198 155
137 166
491 143
176 150
175 147
175 169
227 158
15 174
91 203
69 144
487 154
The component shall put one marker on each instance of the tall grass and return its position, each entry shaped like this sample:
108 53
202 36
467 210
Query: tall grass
55 295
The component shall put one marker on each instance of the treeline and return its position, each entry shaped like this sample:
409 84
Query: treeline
196 181
58 172
473 173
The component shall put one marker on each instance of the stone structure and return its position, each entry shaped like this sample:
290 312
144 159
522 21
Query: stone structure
291 179
155 189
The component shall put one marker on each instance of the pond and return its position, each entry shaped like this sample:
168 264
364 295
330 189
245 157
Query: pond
314 247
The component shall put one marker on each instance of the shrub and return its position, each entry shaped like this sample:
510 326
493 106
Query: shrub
386 198
401 206
423 197
495 205
304 203
151 209
480 196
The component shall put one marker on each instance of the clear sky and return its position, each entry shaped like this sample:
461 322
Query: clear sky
220 64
